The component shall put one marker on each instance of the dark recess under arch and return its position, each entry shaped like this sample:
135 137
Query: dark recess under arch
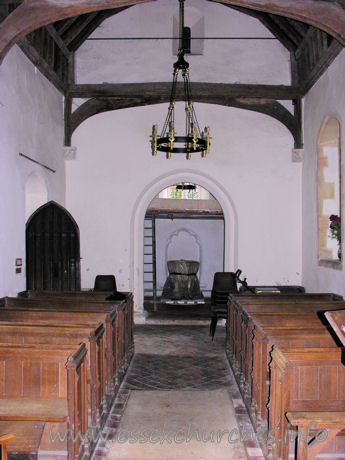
52 249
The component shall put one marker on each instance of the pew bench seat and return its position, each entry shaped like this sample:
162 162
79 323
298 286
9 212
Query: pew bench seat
333 422
4 439
47 372
27 437
48 410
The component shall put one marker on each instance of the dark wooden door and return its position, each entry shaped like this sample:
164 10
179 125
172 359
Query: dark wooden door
52 249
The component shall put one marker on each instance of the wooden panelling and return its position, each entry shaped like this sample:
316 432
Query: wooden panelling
308 382
285 357
52 375
32 375
40 330
310 368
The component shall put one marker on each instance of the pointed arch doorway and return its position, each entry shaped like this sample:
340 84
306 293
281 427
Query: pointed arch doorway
52 249
137 227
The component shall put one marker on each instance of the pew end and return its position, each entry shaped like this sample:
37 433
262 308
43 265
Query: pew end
337 321
4 439
315 423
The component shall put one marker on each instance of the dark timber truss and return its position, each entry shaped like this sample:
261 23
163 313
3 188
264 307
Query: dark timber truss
51 31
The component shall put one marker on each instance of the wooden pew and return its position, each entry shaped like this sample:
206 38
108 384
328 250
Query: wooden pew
246 325
242 356
46 384
240 329
271 304
284 296
264 340
21 333
125 347
242 300
261 300
80 314
272 311
123 324
27 438
90 294
279 327
332 422
65 315
337 321
4 439
243 374
303 380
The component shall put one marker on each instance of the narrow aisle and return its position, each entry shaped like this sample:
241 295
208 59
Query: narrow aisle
179 401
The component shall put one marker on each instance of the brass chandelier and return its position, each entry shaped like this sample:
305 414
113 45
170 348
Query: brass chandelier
194 140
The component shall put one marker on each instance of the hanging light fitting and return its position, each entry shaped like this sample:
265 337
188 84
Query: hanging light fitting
184 186
194 140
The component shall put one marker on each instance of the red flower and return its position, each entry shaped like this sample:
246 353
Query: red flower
334 218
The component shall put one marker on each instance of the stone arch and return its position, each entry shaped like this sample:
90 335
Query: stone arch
137 227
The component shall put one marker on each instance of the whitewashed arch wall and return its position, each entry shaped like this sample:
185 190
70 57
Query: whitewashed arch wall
36 193
137 227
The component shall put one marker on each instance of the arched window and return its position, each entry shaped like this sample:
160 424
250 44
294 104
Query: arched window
329 190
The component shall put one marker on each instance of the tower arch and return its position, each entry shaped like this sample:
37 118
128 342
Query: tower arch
137 227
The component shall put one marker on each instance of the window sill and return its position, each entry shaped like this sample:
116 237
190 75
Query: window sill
331 263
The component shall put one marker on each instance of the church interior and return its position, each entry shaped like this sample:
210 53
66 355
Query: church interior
106 177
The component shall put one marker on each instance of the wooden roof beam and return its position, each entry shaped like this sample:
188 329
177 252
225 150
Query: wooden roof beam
162 90
56 37
268 107
40 63
270 25
92 26
326 15
78 26
301 27
283 24
30 15
86 32
64 24
273 27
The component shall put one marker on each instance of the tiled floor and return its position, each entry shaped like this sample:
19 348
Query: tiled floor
179 358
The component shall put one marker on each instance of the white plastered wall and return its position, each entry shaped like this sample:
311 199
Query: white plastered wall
249 171
327 97
190 239
31 123
262 59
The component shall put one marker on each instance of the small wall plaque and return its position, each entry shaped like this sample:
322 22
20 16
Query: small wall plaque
19 262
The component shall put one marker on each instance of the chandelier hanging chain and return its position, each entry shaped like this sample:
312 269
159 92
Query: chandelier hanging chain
181 25
194 140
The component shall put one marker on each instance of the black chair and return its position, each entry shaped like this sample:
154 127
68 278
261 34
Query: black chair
105 283
224 283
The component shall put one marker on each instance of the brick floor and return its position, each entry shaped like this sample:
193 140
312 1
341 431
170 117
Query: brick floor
178 358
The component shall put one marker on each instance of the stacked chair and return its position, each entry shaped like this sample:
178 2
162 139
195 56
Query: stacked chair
224 283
